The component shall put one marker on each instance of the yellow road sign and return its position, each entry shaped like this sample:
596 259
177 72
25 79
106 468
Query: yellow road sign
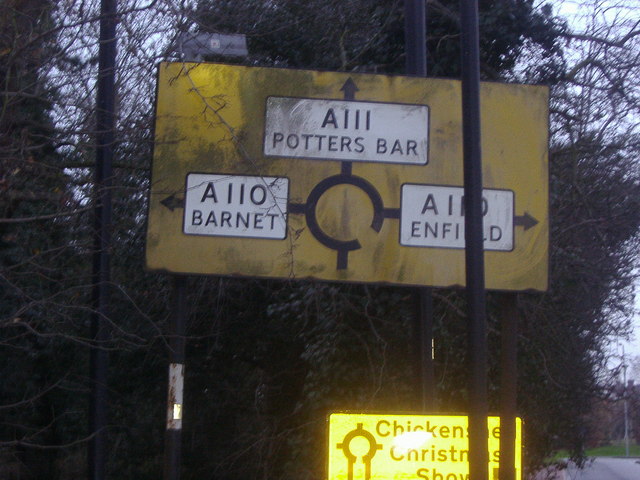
409 447
346 177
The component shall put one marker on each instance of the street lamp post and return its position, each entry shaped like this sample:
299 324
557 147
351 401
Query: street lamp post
625 403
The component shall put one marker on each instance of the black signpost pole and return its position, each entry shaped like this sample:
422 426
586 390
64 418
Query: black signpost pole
173 433
105 120
416 64
508 385
476 306
423 331
415 35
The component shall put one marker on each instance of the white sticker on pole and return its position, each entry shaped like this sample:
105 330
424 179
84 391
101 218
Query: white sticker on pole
433 216
347 130
175 400
236 206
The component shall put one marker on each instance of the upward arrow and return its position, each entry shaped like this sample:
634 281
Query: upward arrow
349 88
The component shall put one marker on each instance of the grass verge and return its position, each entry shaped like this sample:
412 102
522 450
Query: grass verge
617 450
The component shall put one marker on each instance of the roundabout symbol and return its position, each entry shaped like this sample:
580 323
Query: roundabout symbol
343 247
366 458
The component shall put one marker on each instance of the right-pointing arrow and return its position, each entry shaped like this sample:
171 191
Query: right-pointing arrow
526 221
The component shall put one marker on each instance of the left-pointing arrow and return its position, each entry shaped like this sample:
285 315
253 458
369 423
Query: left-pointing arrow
172 202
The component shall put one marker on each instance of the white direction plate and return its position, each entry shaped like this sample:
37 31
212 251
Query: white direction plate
346 130
433 216
236 206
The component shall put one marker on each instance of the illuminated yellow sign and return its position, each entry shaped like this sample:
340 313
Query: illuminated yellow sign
409 447
346 177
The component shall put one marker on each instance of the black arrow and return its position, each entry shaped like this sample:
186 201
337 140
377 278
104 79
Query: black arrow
526 221
349 88
172 202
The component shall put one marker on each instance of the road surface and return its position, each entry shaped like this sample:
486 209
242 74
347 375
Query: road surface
601 468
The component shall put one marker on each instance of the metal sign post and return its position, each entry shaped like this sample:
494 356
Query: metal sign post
508 384
474 258
416 64
173 434
99 359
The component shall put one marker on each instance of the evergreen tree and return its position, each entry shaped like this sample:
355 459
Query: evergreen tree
40 269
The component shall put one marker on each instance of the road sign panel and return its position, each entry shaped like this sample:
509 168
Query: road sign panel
236 206
433 216
409 447
338 215
346 130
